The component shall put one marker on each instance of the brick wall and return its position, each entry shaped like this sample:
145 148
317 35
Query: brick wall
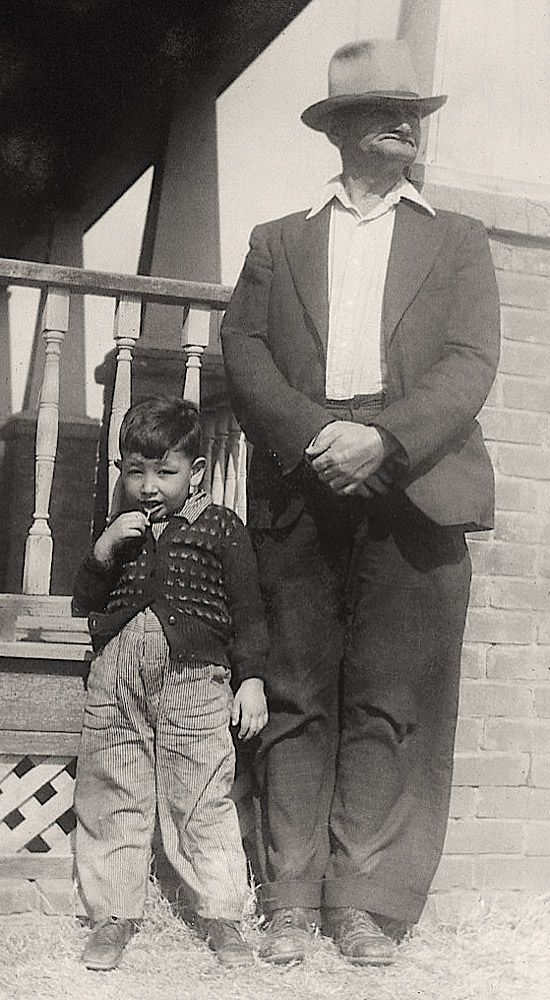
499 831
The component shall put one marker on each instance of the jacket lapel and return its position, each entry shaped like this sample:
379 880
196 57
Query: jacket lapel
416 240
306 247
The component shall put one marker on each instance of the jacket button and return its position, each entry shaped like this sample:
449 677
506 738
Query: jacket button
171 620
93 621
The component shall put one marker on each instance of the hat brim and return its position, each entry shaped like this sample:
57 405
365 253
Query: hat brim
315 116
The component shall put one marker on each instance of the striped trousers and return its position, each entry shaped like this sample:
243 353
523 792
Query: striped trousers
156 739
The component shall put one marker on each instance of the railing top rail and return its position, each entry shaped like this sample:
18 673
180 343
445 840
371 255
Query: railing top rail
167 291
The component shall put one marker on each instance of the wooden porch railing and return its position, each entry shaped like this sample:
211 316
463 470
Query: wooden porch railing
44 651
225 445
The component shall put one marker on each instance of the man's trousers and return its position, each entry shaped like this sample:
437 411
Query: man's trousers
366 603
156 737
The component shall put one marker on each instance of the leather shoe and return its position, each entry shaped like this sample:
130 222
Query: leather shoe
226 940
359 937
106 943
288 933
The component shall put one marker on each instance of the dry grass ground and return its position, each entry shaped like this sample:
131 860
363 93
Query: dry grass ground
496 953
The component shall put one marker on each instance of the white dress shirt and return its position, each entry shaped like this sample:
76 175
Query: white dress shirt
358 255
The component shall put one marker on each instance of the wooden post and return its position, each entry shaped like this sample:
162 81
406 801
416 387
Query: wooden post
220 448
208 434
242 471
195 335
39 545
126 332
231 485
5 355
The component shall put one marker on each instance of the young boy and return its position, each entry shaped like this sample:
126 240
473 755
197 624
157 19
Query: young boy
171 587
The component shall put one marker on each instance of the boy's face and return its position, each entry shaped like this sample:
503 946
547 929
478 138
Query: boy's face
160 486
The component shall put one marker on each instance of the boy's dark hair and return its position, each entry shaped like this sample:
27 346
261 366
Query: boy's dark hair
156 425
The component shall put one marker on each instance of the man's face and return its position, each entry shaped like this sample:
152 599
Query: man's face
388 131
160 486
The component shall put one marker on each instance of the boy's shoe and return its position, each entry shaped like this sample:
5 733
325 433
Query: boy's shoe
226 940
106 943
288 934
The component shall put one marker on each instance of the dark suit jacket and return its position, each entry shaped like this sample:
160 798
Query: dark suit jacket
440 325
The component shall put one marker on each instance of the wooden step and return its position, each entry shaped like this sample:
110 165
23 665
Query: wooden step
14 605
45 650
37 604
46 628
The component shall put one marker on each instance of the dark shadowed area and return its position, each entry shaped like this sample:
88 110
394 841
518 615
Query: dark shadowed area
74 73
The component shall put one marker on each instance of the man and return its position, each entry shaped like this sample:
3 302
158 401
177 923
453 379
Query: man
360 343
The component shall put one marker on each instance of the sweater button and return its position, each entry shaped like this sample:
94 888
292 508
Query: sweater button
171 620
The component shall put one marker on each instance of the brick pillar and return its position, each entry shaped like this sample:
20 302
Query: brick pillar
493 62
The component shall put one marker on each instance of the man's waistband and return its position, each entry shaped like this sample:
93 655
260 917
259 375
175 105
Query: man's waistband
370 404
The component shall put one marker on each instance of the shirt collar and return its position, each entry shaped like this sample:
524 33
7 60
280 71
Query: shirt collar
334 188
194 506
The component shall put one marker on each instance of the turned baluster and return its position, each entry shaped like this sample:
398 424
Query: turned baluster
39 544
242 471
208 422
126 332
195 335
220 450
231 483
235 479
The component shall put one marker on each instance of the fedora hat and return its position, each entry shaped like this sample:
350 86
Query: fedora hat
376 71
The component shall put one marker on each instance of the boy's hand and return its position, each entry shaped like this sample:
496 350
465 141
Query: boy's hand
132 524
250 708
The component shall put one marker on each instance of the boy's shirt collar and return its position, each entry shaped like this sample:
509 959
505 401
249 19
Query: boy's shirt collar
190 511
193 506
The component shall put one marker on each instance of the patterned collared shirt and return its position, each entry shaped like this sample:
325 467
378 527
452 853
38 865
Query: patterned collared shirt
191 510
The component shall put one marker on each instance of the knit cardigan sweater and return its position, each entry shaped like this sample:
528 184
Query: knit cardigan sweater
201 581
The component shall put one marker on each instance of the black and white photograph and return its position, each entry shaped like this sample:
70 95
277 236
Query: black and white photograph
275 499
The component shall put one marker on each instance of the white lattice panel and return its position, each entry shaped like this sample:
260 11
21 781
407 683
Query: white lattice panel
57 840
36 805
16 790
7 763
36 799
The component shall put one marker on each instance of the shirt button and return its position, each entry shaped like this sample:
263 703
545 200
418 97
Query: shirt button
171 620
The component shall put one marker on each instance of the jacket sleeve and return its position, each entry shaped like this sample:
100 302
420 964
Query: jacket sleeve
438 410
272 413
92 585
248 650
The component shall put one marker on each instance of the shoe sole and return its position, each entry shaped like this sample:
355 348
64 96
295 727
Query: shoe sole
359 960
99 967
245 963
282 959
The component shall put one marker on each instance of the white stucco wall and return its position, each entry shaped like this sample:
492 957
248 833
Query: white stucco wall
268 161
493 60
